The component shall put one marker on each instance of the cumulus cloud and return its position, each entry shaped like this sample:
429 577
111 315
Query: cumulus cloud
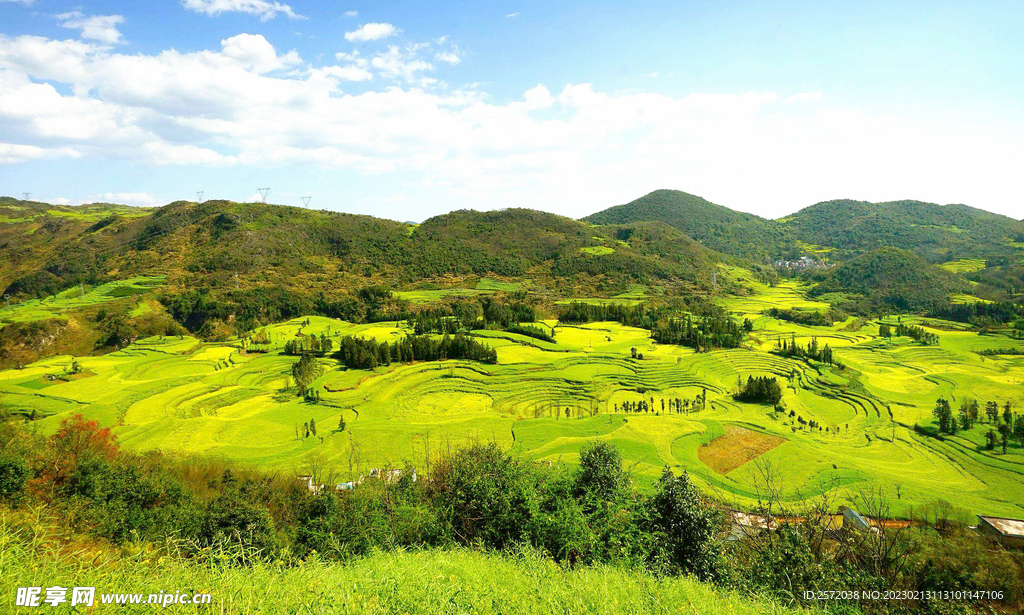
571 149
15 152
403 63
371 32
451 57
102 28
351 13
125 198
260 8
804 97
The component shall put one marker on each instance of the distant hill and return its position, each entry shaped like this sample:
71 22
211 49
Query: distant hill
895 278
717 227
938 233
222 244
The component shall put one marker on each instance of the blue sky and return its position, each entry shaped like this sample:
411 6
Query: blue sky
409 109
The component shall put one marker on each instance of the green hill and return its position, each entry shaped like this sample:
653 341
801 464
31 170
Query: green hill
47 250
895 278
717 227
938 233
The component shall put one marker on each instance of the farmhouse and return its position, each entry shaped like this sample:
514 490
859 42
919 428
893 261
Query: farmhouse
1008 532
306 481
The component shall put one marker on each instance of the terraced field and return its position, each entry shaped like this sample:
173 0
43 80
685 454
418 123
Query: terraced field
545 400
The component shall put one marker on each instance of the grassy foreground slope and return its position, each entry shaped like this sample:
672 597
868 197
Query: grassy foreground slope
424 582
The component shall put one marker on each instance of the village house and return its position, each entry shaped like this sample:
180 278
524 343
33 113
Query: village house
1008 532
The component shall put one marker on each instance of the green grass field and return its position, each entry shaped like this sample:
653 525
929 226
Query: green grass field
427 582
78 297
545 400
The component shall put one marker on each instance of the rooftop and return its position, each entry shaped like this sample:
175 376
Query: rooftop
1006 527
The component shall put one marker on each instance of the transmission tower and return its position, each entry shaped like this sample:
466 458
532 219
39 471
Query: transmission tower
199 196
263 193
305 201
26 195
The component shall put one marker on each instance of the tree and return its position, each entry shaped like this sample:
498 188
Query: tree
990 439
944 414
684 528
312 426
601 477
992 411
884 330
341 423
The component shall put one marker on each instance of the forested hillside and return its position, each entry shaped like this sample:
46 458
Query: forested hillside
938 233
208 244
894 279
715 226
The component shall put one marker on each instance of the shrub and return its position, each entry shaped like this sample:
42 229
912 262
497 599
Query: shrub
13 475
684 528
481 495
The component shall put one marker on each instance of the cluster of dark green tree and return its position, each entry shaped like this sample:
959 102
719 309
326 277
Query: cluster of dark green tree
980 313
925 338
640 315
309 344
674 404
760 390
702 333
507 313
305 371
813 318
1004 424
362 353
203 310
812 350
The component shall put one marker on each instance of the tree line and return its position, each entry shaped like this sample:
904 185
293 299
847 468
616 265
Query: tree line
812 350
363 353
760 390
1004 423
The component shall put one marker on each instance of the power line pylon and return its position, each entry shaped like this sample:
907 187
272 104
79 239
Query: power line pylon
263 193
199 196
305 200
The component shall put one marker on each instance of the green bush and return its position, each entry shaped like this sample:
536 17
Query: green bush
13 475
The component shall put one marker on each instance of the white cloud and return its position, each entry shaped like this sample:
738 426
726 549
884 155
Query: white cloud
804 97
510 15
451 57
15 152
261 8
255 53
102 28
351 13
403 63
572 150
125 198
25 2
371 32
